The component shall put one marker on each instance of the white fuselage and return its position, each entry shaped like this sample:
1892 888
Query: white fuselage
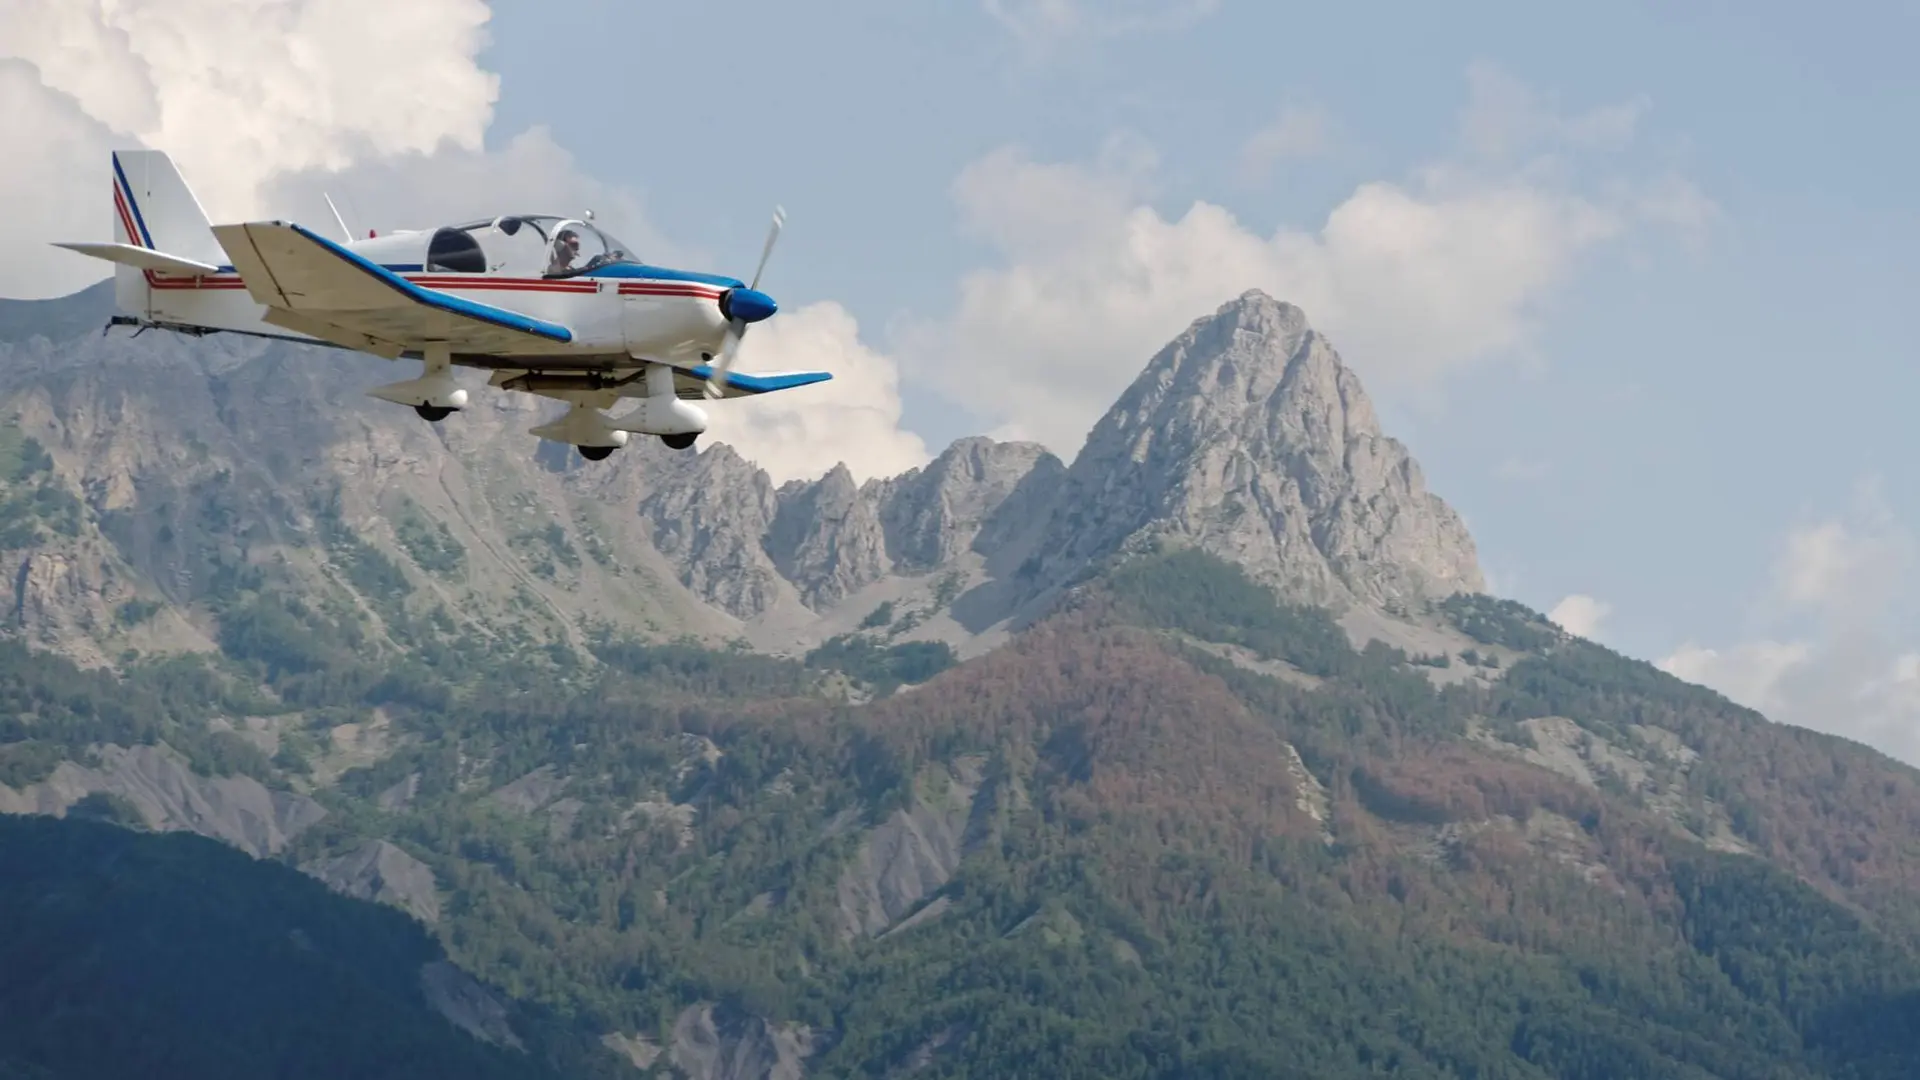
617 315
552 305
615 321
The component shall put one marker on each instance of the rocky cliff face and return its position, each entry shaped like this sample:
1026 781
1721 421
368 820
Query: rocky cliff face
1246 436
964 502
169 796
826 538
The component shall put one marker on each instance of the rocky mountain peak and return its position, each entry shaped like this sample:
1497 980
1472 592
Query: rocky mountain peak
938 512
1248 436
1254 366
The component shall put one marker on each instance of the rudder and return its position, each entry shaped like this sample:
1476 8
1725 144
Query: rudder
155 209
158 208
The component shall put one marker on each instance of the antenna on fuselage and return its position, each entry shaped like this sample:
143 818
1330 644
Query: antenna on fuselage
344 231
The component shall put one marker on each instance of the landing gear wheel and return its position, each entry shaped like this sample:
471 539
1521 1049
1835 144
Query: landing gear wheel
433 414
678 442
596 453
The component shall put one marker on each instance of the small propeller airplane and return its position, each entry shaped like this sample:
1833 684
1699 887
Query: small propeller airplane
551 305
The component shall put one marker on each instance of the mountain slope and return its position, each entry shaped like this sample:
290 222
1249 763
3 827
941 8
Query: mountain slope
1303 861
1461 912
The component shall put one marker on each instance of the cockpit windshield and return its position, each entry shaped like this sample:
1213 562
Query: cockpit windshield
545 245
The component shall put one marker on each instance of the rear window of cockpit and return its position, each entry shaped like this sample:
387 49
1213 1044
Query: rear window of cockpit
545 245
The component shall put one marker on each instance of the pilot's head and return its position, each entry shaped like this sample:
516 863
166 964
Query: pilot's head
567 243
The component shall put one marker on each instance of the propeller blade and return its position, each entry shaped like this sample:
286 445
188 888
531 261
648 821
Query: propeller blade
729 348
717 373
779 222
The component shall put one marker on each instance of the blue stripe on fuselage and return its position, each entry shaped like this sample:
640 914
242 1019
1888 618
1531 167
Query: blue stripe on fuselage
663 273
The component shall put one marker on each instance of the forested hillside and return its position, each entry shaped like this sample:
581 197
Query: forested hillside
1179 829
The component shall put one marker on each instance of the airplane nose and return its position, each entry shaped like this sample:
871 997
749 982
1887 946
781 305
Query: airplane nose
747 305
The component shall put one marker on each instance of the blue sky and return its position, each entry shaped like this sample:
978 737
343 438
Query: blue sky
1679 383
1694 405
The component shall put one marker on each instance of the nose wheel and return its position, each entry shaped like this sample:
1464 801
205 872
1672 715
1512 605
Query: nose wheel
679 442
596 453
433 414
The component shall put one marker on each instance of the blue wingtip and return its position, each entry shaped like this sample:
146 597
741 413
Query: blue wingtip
764 384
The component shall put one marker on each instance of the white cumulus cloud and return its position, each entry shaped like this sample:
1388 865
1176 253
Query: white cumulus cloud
1412 279
1041 23
57 182
1837 567
1749 673
1505 116
1580 615
1834 649
528 173
236 93
1299 131
266 105
803 433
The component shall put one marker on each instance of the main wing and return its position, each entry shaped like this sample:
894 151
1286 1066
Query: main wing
313 285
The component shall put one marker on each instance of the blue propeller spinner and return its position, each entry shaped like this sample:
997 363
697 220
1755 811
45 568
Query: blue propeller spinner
741 307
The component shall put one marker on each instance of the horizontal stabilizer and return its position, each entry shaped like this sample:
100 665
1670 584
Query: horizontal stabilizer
143 258
295 270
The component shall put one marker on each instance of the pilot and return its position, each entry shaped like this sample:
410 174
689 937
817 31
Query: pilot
566 248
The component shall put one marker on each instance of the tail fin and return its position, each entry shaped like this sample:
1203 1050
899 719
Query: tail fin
154 209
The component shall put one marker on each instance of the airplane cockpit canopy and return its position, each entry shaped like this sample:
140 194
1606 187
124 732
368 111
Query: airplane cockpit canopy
525 245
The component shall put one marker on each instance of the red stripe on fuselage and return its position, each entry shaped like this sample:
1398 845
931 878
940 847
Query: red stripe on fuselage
669 288
663 289
154 280
441 281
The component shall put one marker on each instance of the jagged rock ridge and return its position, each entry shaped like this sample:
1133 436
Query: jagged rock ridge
1245 435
